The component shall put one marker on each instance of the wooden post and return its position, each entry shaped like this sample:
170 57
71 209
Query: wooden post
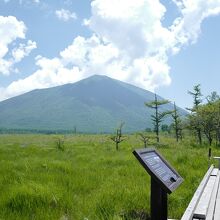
218 158
158 202
210 155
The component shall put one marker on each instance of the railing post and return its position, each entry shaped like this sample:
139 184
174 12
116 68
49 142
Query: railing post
218 158
210 155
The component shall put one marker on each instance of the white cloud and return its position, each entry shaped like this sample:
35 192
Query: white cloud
5 66
130 25
23 50
129 43
10 30
65 15
51 72
187 27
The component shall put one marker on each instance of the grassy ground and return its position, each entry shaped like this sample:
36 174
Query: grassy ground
89 179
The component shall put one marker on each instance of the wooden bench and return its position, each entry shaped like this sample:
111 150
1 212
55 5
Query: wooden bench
205 203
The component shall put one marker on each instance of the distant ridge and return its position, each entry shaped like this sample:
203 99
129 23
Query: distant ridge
94 105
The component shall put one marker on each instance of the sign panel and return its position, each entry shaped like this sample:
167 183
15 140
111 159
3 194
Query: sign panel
159 169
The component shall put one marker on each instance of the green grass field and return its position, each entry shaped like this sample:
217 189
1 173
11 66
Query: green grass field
89 180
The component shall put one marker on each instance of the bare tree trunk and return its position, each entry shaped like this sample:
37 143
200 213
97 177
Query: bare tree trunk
157 123
199 133
177 135
116 143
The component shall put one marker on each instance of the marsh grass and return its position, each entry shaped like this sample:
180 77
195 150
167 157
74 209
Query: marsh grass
89 179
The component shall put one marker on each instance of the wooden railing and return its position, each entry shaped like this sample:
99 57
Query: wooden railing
205 203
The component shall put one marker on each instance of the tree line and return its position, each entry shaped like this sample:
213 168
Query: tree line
203 120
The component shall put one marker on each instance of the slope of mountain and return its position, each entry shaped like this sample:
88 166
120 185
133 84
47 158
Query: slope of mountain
95 104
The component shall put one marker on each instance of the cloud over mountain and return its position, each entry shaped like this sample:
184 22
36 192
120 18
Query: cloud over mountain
129 43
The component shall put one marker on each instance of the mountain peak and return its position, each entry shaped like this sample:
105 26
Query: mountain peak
98 77
95 104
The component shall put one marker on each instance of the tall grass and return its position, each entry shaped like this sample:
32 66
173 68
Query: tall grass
89 179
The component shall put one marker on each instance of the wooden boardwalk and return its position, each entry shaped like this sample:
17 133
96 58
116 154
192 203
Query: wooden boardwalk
205 204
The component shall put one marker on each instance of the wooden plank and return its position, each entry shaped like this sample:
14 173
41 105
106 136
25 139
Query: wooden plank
211 208
204 201
217 206
192 205
215 172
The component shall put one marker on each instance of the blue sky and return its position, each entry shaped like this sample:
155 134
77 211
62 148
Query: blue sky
166 46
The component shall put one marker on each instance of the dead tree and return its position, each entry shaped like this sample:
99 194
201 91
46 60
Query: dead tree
145 138
60 144
117 138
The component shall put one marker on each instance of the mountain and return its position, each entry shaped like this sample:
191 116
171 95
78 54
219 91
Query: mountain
95 104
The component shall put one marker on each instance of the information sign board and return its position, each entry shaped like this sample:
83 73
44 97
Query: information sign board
159 169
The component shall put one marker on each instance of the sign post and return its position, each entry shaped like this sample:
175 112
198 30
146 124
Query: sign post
164 179
158 202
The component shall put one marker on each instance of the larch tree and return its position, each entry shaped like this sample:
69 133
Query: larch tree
177 123
208 123
214 99
195 121
158 117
